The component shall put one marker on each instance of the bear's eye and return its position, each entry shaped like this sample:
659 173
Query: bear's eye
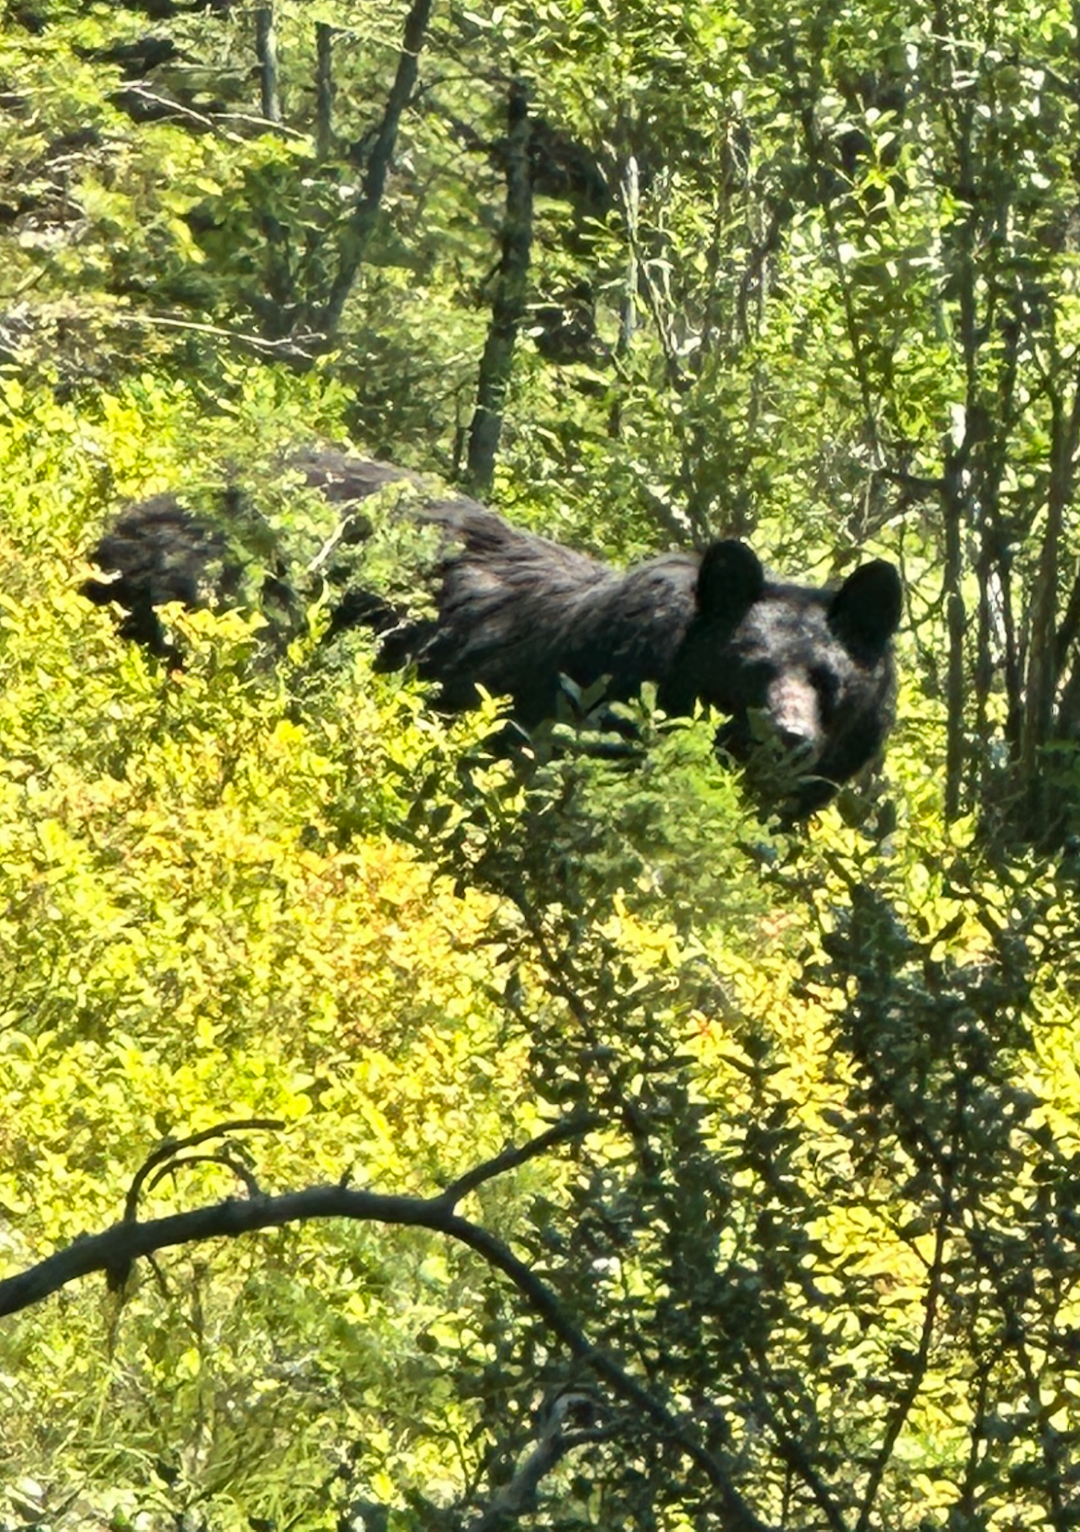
827 686
754 681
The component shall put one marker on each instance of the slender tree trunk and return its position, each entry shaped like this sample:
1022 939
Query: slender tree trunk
508 308
364 214
958 472
628 304
324 88
631 201
956 626
266 52
1041 671
996 626
1044 654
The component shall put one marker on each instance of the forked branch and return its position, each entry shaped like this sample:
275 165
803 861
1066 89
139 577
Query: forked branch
116 1249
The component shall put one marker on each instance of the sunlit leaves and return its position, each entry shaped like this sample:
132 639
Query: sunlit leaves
829 1216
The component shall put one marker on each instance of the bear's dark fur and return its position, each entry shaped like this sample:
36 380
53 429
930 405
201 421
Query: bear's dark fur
155 553
515 614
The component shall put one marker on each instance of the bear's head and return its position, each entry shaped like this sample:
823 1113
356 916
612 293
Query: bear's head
808 669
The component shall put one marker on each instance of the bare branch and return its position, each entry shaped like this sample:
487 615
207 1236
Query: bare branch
211 124
118 1247
170 1148
922 1359
557 1438
227 1161
511 1158
290 349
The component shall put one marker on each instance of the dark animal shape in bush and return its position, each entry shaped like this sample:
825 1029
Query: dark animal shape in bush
516 614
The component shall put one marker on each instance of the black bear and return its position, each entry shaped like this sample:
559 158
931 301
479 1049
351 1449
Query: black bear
516 614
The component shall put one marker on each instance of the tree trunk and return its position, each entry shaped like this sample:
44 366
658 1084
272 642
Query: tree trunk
956 625
324 88
364 214
631 201
1045 655
508 308
266 52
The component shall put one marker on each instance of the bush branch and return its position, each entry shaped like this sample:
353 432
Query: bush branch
126 1242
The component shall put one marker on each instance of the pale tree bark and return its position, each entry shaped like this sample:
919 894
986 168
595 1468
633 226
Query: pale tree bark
266 52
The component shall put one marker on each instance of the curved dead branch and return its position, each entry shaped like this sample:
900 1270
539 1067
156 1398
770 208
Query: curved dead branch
116 1249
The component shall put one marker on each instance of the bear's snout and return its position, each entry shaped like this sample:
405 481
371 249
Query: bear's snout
794 712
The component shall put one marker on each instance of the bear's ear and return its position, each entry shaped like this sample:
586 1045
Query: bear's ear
865 612
729 581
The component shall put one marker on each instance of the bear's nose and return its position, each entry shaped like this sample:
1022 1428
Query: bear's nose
794 715
794 741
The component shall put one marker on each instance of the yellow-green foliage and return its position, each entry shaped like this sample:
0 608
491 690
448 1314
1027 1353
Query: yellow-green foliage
184 941
255 889
827 1215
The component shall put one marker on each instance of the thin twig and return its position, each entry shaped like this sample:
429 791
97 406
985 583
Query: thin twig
511 1158
922 1357
170 1148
